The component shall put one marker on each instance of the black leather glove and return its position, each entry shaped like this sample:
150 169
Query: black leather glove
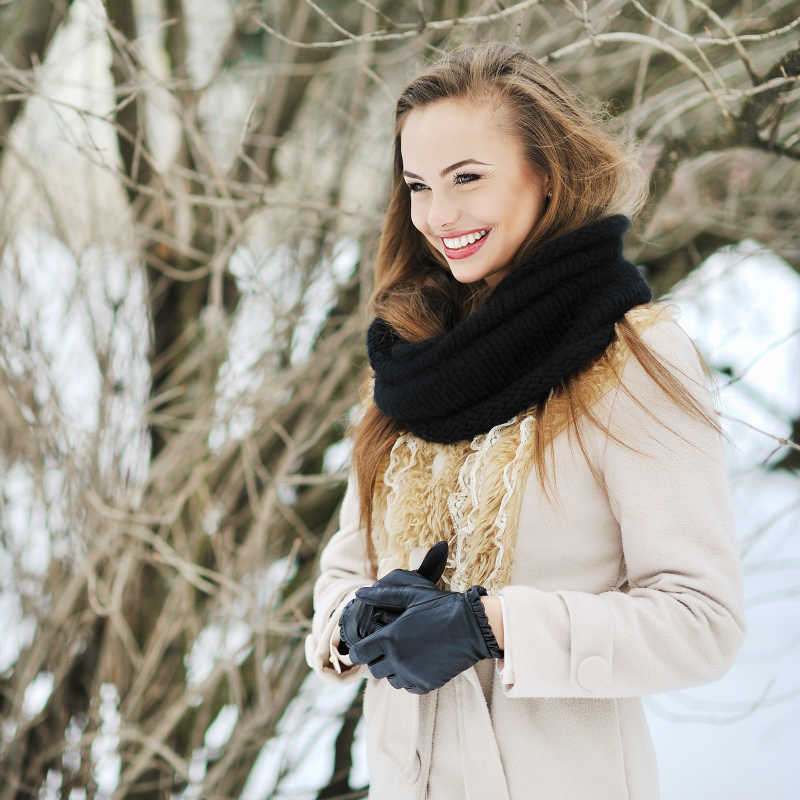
360 619
437 636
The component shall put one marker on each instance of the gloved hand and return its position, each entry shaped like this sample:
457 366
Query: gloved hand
360 619
437 636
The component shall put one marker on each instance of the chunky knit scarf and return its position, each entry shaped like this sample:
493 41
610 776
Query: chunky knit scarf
544 322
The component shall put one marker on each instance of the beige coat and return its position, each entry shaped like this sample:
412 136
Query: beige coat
614 594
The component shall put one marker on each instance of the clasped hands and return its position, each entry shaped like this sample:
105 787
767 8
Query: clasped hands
413 634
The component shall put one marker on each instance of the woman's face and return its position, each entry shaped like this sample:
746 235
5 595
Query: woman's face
467 176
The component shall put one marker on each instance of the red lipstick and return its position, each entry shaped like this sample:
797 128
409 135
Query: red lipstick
468 250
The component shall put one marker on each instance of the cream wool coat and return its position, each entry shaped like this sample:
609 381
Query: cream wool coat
614 593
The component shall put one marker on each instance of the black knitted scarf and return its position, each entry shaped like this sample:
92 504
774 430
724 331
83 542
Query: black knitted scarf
544 321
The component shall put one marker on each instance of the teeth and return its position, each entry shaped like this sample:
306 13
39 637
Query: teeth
463 241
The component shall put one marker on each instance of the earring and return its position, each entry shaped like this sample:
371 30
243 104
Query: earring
550 194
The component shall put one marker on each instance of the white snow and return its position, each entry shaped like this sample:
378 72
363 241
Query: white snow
37 693
105 754
299 759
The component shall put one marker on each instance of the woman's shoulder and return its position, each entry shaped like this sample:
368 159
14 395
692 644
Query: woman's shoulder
655 322
619 371
643 407
657 325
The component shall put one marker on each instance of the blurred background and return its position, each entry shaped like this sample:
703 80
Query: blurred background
190 200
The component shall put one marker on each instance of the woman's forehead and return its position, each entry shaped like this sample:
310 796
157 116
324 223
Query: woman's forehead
451 130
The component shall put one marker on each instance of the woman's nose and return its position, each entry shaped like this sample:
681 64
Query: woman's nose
441 212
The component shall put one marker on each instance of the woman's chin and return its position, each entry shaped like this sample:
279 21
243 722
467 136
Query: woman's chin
463 274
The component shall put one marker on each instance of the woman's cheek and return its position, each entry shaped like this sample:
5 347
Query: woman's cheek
418 221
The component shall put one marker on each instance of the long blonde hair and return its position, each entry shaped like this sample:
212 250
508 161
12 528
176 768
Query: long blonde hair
594 173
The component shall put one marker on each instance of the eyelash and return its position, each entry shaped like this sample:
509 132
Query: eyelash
456 176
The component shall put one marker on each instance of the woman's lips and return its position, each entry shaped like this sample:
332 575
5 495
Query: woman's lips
464 252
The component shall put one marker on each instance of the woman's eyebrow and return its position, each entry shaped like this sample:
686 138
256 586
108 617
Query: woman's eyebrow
450 168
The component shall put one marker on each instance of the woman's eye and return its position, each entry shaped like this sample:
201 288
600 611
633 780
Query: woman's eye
468 177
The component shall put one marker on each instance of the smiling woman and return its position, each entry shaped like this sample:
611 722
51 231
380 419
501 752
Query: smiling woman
476 217
537 528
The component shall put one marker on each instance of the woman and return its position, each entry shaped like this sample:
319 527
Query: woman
537 528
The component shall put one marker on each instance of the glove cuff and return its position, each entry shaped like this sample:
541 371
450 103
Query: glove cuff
473 596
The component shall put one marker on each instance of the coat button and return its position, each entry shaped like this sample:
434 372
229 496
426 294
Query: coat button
594 674
411 772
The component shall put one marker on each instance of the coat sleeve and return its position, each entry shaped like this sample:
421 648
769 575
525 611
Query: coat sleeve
678 622
344 568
